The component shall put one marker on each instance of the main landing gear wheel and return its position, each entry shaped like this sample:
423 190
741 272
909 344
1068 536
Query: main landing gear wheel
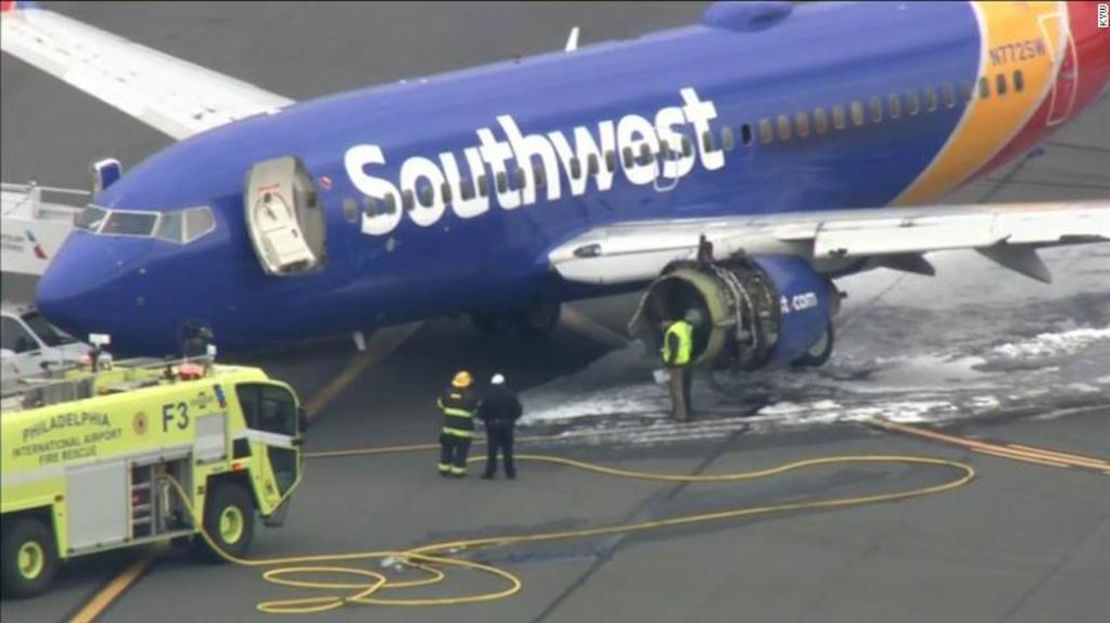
29 558
818 354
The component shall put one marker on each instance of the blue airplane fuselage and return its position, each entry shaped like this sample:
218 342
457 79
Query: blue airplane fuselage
752 69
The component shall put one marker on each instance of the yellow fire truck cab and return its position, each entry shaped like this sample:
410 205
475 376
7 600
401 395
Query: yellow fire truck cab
90 461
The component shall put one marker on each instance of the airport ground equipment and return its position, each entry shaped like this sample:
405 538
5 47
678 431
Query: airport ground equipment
29 344
90 461
34 222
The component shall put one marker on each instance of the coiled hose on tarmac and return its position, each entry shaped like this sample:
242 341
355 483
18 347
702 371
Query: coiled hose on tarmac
369 587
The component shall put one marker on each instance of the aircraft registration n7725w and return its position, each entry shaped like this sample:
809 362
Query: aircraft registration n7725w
720 167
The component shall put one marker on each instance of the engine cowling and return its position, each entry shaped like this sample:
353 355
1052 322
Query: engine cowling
750 311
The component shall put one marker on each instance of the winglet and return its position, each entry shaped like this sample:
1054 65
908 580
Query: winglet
572 40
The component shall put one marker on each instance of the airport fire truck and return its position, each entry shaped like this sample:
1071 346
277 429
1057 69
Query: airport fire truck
96 459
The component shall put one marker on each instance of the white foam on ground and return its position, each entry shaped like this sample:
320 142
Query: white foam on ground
1053 344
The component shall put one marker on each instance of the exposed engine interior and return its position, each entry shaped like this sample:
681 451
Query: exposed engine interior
748 312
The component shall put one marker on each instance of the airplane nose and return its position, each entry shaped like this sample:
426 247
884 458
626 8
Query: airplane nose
75 292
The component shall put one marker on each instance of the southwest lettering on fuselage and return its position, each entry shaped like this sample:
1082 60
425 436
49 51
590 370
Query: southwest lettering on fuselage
1020 51
553 153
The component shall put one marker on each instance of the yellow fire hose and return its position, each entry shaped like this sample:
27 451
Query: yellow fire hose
367 587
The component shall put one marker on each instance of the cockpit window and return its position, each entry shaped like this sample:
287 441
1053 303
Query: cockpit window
170 227
198 221
91 218
181 226
130 223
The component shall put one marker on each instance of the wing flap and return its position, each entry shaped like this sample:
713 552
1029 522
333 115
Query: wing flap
172 95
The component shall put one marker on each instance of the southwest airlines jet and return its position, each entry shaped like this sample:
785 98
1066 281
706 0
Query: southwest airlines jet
732 168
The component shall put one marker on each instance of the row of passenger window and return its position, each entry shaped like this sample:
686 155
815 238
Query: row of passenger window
784 127
893 106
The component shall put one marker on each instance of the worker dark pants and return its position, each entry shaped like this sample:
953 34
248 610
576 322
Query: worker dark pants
499 439
452 455
681 408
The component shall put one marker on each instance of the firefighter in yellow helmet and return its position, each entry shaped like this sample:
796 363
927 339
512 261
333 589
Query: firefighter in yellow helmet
677 352
458 403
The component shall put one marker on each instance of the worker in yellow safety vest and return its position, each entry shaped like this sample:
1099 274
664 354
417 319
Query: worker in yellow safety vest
678 346
458 403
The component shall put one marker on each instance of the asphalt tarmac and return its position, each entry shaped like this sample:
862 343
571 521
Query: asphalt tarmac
1022 542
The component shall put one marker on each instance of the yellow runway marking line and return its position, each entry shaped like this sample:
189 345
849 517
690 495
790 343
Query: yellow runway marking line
1078 458
380 346
579 323
111 591
1012 451
1021 457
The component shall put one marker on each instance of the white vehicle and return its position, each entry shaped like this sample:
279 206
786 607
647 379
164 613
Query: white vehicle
28 344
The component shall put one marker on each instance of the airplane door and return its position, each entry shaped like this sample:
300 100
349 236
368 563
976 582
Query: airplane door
285 220
1060 43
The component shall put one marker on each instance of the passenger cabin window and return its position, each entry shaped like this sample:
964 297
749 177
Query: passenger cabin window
820 121
502 182
539 176
766 135
784 127
728 141
894 105
839 121
1000 84
984 88
857 113
746 134
645 155
592 166
965 90
466 188
350 210
930 99
575 167
913 104
445 190
407 200
947 95
483 185
1019 81
518 178
611 160
626 157
427 195
801 124
876 110
687 146
707 142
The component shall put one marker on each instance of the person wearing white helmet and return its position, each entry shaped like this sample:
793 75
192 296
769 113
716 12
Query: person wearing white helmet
499 411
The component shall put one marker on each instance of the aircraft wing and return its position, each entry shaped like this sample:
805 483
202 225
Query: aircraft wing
172 95
896 237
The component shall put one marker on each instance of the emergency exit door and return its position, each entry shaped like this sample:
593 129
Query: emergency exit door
284 217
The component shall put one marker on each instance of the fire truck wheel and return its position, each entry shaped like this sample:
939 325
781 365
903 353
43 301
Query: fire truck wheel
228 520
30 559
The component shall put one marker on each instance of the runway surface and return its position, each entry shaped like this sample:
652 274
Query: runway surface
976 349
